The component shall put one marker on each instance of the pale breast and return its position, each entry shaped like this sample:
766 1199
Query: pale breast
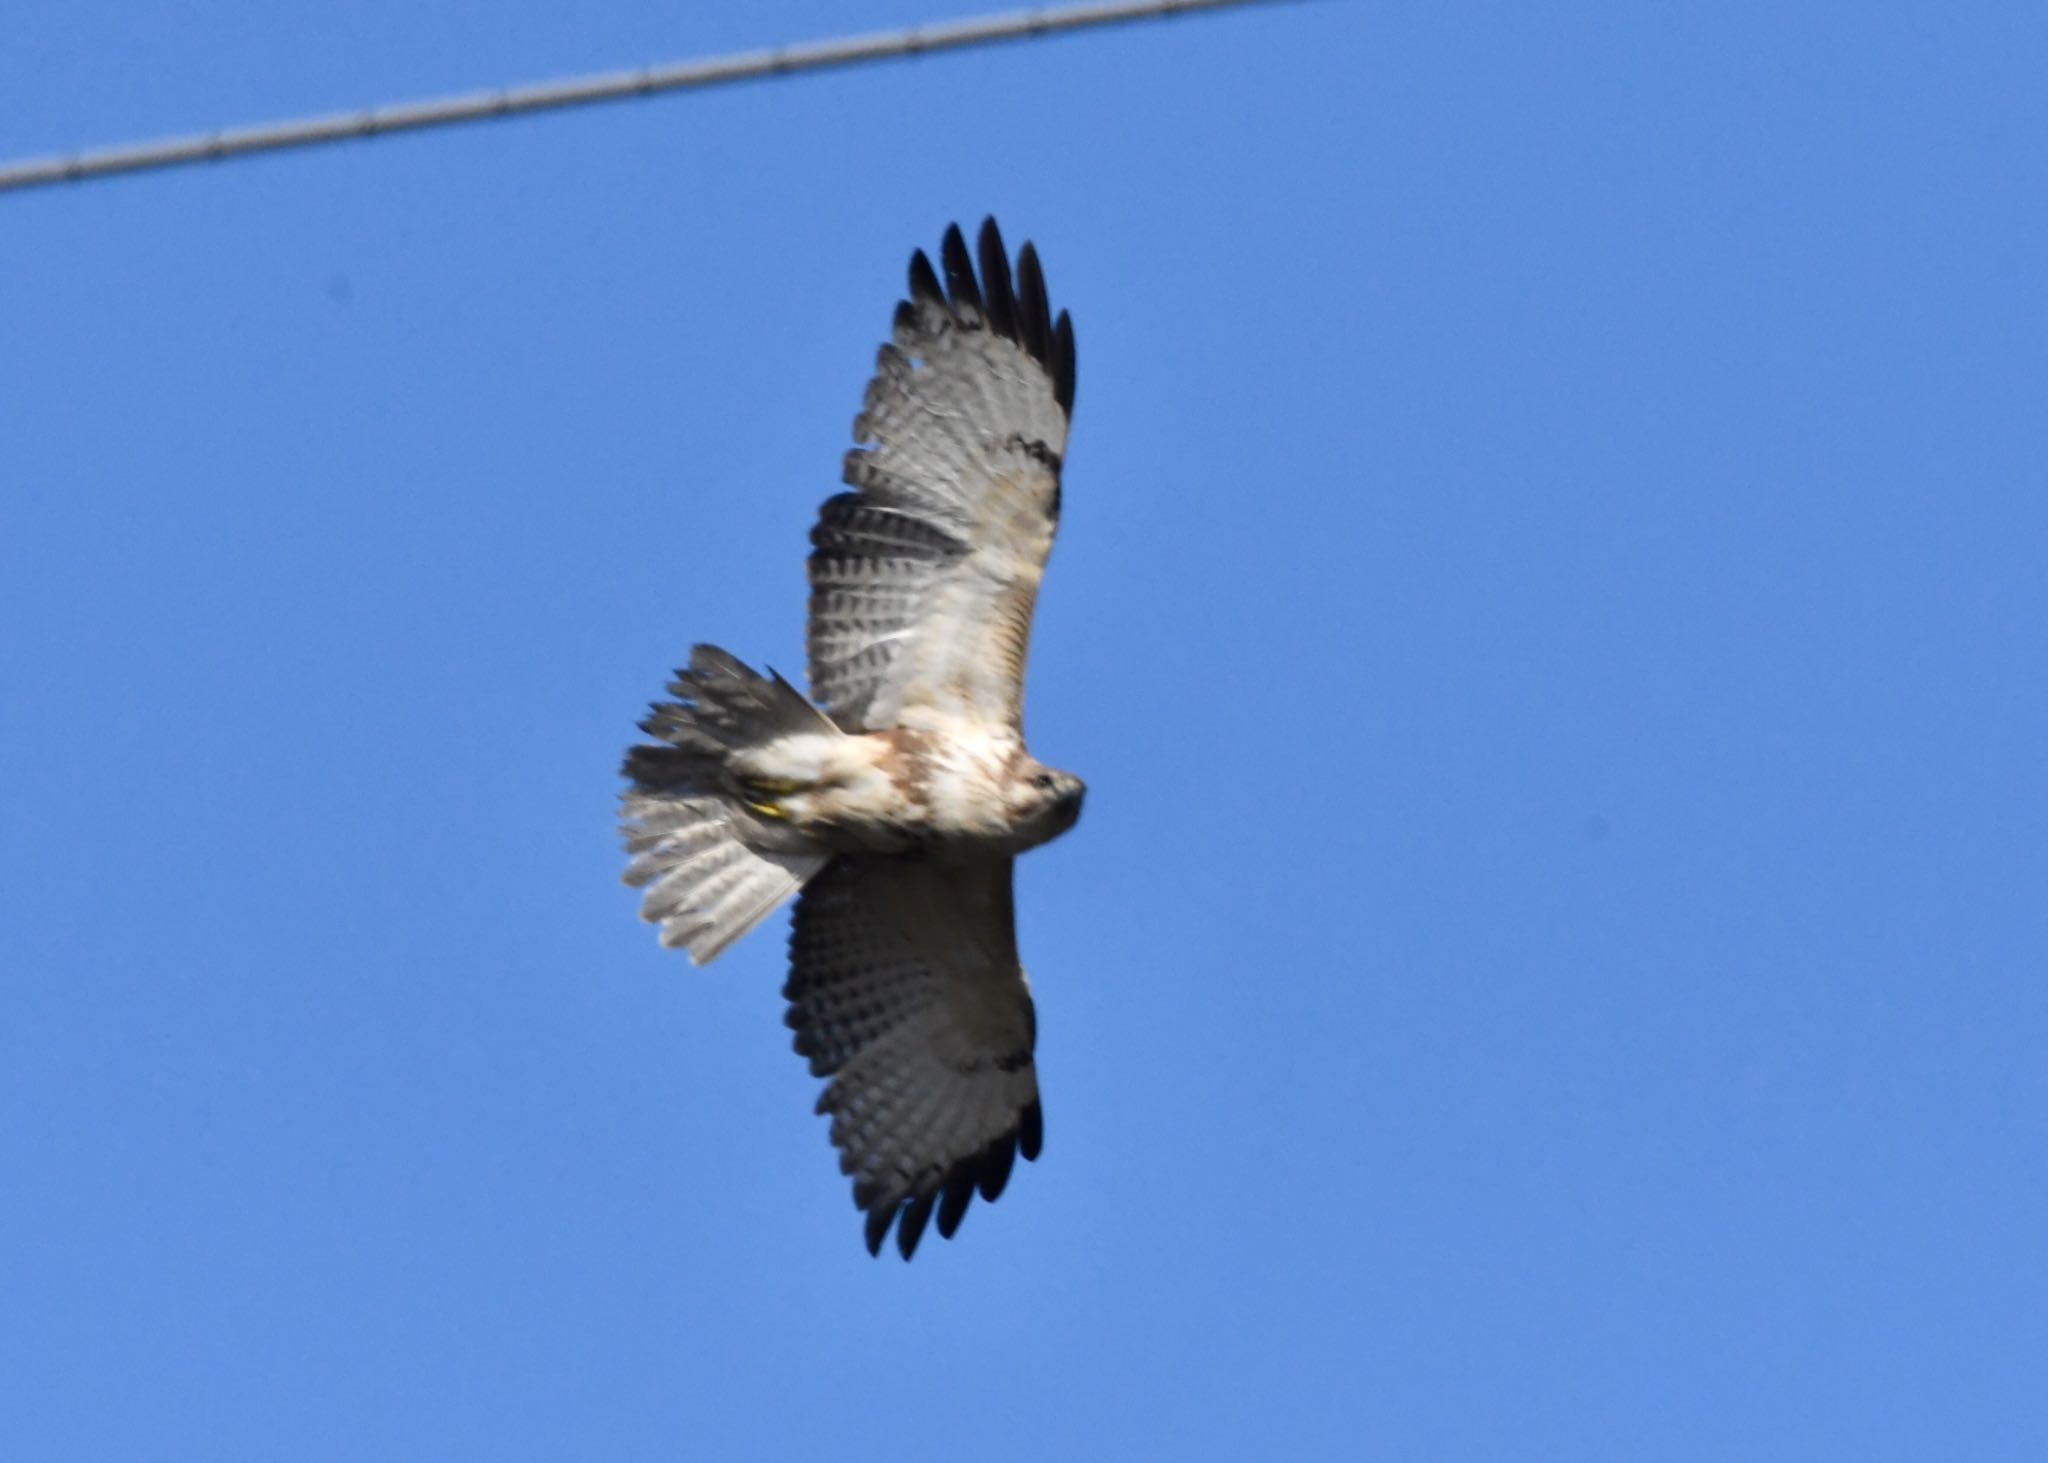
965 786
908 787
866 798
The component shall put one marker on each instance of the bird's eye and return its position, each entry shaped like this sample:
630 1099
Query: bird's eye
1042 781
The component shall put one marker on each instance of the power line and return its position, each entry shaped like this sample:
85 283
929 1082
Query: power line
579 91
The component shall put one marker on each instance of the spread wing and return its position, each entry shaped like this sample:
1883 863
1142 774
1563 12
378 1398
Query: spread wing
904 989
923 578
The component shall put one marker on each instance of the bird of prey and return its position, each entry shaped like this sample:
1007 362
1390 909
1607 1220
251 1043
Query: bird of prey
894 799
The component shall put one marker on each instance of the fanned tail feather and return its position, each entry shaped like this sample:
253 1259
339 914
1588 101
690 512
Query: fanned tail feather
712 866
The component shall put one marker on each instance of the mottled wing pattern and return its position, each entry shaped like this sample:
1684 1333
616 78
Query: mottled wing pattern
904 989
923 578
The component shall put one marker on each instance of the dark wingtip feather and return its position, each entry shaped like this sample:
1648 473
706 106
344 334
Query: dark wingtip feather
959 1193
1031 1132
878 1227
995 1168
910 1227
1034 312
1063 363
924 282
998 299
1013 304
960 273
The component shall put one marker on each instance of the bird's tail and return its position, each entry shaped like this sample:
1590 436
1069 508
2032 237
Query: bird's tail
713 866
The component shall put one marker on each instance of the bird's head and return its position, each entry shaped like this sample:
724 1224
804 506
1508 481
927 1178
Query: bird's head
1044 801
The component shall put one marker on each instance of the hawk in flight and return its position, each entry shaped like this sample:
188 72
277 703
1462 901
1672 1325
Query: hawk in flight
893 801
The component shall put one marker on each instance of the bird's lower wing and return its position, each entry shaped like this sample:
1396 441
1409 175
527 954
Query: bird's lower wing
904 989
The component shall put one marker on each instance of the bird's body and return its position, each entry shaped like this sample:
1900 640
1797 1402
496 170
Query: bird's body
946 793
897 802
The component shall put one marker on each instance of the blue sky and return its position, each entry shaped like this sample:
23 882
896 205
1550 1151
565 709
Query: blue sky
1551 610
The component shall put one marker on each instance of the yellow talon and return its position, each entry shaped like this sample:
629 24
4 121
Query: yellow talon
767 788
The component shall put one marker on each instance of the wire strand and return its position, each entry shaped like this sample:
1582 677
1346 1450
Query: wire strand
579 91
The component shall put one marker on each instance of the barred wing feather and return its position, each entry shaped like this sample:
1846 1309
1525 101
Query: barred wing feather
923 578
904 989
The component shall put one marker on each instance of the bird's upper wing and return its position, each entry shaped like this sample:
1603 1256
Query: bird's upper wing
904 989
923 578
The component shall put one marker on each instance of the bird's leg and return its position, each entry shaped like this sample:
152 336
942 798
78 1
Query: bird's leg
759 793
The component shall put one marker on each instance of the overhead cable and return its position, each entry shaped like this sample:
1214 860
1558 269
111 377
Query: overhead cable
579 91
